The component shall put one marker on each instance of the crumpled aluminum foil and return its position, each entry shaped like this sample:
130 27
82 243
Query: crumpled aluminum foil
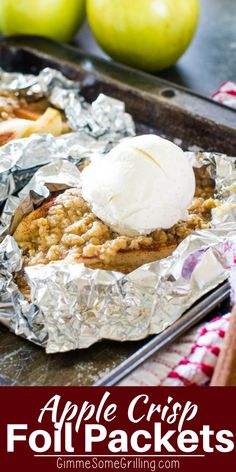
95 127
16 313
43 84
59 175
74 307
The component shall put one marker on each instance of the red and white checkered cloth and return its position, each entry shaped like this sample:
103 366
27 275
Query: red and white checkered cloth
188 361
226 95
191 359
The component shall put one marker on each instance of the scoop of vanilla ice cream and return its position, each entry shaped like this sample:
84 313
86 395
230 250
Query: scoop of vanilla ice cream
142 184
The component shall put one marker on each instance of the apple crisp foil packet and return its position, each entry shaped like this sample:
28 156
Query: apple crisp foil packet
94 127
73 306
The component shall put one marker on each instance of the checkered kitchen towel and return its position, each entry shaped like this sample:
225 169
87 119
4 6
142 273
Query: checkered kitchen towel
226 95
188 361
191 359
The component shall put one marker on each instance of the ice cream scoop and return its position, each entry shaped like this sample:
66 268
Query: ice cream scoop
142 184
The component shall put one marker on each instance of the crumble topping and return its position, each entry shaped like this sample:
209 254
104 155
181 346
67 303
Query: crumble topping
68 231
12 105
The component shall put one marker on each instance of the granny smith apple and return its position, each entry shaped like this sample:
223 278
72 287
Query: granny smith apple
57 19
0 16
148 34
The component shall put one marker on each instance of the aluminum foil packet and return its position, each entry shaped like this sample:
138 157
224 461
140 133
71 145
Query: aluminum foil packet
94 127
74 306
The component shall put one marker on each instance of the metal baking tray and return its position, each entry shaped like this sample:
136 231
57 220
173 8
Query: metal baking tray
159 107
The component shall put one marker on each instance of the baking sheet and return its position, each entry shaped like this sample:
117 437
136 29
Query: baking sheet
156 122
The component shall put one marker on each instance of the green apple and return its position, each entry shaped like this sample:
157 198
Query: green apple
0 16
148 34
57 19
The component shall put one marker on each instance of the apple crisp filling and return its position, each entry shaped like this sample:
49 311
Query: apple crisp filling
21 117
67 230
16 106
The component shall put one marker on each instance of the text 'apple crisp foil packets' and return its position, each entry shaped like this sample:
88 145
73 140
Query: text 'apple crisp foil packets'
94 127
74 307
